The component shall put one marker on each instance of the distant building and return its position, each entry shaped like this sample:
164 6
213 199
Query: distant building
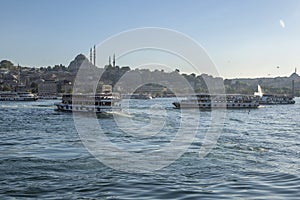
21 88
67 87
106 88
47 88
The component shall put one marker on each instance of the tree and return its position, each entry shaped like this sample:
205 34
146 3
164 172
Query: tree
6 64
59 67
33 85
6 88
125 68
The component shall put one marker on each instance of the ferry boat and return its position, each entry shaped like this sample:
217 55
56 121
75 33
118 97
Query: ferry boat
18 96
48 97
209 101
271 99
99 103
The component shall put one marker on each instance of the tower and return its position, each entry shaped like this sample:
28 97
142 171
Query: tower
109 61
95 55
114 61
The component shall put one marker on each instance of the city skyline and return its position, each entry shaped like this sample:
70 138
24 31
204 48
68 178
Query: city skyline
243 39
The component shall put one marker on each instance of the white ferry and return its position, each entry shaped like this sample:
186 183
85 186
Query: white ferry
18 96
271 99
209 101
99 103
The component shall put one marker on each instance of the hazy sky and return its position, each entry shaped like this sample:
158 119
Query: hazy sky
244 38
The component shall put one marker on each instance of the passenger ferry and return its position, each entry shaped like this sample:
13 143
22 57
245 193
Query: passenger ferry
18 96
99 103
209 101
271 99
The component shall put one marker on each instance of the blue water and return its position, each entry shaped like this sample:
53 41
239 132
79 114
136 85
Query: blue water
257 155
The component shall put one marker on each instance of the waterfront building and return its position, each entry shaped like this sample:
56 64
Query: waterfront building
47 88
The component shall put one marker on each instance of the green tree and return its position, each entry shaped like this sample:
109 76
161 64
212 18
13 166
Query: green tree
6 64
6 88
33 85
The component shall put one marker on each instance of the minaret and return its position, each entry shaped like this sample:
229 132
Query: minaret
95 55
295 70
109 61
19 75
293 87
91 55
114 61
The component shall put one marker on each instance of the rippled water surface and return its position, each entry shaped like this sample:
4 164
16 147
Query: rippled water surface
257 155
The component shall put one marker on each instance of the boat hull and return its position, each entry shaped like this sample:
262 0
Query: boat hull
181 105
18 99
277 102
17 96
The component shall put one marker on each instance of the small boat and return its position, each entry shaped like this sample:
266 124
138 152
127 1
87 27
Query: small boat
209 101
99 103
18 96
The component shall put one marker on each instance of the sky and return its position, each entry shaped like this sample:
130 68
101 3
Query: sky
250 38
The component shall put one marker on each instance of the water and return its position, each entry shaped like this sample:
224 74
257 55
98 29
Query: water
256 157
